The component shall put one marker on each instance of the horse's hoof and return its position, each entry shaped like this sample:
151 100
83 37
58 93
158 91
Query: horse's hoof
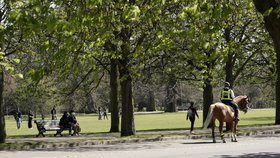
233 140
224 141
214 141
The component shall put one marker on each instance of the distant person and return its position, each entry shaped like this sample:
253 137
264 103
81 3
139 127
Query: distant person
192 112
30 118
105 114
53 113
99 113
17 117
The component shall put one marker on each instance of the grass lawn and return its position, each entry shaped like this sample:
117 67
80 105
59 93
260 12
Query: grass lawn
153 121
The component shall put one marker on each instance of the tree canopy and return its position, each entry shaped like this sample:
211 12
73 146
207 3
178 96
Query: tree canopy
76 54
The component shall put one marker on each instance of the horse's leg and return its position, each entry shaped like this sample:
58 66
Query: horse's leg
234 131
213 131
221 131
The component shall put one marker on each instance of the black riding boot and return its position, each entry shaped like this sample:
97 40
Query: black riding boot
236 118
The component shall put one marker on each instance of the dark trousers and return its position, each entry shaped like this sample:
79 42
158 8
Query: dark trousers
192 119
29 123
233 105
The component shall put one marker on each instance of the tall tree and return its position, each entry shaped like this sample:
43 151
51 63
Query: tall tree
204 23
114 93
2 111
243 39
3 13
270 11
10 37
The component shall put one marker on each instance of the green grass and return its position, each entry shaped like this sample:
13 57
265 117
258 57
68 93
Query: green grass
153 121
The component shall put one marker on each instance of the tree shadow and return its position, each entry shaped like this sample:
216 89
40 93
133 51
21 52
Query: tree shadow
259 118
255 155
193 143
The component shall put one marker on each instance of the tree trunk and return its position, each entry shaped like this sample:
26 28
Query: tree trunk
230 61
114 108
207 97
272 24
2 110
151 103
171 99
89 103
229 68
127 121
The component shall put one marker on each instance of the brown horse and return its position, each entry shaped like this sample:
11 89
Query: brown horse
223 113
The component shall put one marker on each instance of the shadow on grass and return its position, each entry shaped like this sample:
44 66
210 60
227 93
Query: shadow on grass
255 155
165 129
259 118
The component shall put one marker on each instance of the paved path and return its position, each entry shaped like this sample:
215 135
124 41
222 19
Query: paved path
247 147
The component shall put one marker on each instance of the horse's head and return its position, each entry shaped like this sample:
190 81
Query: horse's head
243 103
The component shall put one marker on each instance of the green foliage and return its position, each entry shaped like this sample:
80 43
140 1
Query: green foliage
66 46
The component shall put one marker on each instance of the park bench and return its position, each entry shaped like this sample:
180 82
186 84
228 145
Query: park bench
48 125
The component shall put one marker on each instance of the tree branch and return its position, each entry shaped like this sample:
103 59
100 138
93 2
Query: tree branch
98 83
83 79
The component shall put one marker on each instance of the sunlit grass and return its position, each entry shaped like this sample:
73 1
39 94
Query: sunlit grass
153 121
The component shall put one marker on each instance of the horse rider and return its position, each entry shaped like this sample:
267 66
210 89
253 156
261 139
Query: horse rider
227 96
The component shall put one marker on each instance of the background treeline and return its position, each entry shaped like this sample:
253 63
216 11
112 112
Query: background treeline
147 97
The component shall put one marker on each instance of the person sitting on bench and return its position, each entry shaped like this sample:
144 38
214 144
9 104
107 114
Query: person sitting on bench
64 122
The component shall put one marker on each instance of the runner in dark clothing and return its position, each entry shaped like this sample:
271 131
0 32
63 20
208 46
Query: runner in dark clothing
192 112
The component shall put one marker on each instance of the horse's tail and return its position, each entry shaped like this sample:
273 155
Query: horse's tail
209 116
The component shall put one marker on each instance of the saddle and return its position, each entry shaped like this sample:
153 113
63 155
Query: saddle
228 107
232 111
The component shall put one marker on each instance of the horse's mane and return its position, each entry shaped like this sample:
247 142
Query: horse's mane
238 98
241 102
241 96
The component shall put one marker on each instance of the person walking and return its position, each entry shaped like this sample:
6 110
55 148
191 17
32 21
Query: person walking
105 114
53 113
17 117
99 113
30 118
192 112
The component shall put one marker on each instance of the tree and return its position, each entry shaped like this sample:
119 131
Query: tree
10 37
57 25
243 39
2 112
204 49
270 11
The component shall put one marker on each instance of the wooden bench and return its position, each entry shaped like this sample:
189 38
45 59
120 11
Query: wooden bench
48 125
